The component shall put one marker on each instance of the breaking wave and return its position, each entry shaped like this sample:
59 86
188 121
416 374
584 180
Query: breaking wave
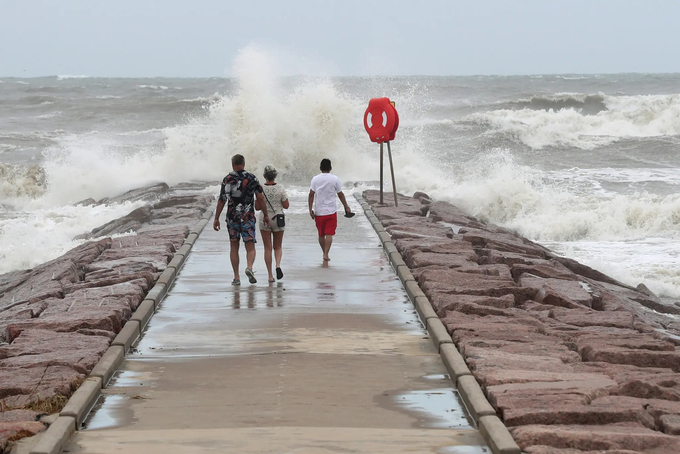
583 121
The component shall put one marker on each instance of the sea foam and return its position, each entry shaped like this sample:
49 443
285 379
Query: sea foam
566 124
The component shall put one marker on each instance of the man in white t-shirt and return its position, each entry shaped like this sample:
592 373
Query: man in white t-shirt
325 186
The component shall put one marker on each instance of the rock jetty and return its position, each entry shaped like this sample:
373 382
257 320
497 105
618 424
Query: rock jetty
57 319
571 360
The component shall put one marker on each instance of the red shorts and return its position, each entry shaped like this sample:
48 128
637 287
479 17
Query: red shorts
326 225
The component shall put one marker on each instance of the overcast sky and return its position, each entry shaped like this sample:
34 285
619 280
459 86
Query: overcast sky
200 38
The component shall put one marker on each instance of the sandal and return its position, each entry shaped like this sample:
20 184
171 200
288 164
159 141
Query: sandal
251 276
279 273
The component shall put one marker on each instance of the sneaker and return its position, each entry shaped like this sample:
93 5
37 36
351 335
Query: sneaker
236 282
279 273
251 276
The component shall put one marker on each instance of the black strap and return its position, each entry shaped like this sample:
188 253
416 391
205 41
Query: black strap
270 204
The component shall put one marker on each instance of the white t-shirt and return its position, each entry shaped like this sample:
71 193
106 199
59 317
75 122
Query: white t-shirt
326 187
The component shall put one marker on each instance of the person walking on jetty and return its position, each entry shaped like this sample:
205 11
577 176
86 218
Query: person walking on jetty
322 205
276 199
239 190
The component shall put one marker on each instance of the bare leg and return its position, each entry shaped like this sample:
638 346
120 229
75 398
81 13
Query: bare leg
322 243
233 256
278 250
328 241
267 243
250 253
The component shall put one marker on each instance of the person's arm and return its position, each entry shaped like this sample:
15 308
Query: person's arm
216 222
311 203
341 196
284 199
260 201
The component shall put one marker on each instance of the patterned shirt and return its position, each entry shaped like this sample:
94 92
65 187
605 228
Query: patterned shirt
238 190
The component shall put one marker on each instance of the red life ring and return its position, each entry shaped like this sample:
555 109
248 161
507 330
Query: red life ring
381 120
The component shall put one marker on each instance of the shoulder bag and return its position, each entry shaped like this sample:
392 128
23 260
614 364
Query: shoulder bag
280 218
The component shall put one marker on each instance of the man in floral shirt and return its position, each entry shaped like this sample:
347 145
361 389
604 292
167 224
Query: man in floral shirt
239 190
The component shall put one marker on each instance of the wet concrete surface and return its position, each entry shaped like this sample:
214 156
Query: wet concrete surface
331 358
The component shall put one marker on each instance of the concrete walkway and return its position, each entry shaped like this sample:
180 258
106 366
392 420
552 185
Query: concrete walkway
327 360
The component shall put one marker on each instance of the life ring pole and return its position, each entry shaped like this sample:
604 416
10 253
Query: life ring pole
394 185
381 173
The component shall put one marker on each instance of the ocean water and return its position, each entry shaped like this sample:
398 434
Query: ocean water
588 165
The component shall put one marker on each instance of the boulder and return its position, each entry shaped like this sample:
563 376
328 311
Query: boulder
630 436
444 302
456 282
107 319
587 318
566 290
551 269
670 424
37 347
535 346
22 385
19 415
635 357
147 193
557 411
12 431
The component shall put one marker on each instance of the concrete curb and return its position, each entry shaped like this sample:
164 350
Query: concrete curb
143 313
424 309
184 250
438 333
82 401
474 398
128 335
191 239
177 261
404 274
490 426
396 260
56 436
494 431
157 293
390 247
85 397
454 362
167 276
108 364
199 226
413 290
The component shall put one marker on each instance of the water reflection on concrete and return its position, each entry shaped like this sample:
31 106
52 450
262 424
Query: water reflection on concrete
107 413
438 408
470 449
248 298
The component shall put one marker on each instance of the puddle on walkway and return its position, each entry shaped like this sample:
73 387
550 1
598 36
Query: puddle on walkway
464 450
439 408
110 411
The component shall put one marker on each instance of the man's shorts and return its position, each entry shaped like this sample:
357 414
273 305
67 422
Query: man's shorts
241 229
326 225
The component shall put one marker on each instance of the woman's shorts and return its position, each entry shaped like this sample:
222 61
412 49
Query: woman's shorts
272 227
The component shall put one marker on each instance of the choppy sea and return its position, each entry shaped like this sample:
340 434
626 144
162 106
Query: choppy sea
587 165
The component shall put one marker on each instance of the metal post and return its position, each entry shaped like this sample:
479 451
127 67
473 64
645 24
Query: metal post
394 185
381 173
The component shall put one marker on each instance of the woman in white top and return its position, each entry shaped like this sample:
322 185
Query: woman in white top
276 198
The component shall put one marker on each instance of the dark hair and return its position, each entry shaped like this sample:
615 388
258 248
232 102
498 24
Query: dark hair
325 165
238 160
